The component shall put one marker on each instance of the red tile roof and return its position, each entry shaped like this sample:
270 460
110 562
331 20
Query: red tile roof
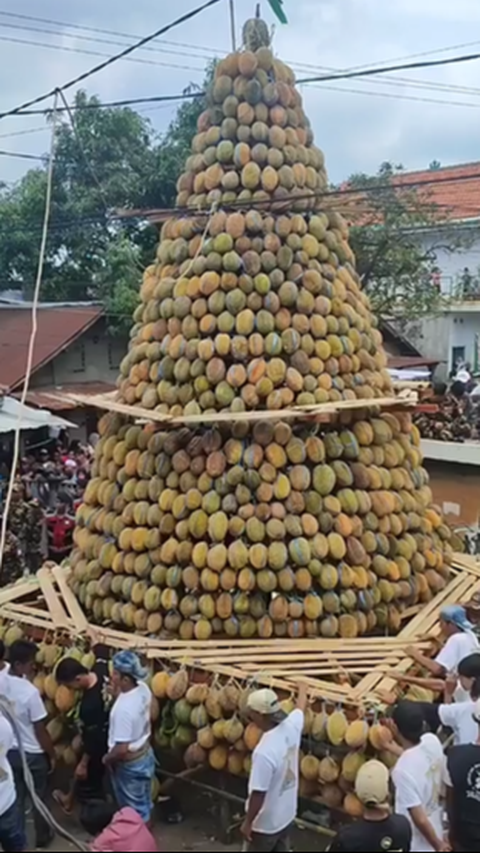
57 329
55 397
454 189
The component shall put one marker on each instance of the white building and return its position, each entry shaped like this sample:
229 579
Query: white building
455 335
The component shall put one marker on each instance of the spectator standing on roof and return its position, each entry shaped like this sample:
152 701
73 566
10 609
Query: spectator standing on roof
273 784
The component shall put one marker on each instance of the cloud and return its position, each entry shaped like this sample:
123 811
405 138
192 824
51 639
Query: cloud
358 123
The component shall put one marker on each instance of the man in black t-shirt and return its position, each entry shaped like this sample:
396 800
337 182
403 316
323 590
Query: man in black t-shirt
92 717
463 793
379 830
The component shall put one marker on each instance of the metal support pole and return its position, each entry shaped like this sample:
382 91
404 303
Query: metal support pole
232 25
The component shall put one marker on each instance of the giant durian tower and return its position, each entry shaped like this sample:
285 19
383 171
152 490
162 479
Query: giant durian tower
278 527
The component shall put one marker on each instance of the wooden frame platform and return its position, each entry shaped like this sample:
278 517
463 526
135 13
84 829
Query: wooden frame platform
348 672
319 413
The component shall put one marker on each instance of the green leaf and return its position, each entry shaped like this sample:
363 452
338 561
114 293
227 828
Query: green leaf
277 8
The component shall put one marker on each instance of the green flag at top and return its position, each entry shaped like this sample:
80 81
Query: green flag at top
277 7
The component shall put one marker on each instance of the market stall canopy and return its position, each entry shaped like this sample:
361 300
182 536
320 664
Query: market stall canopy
11 409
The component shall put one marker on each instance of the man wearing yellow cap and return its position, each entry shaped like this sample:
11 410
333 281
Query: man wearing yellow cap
273 783
380 830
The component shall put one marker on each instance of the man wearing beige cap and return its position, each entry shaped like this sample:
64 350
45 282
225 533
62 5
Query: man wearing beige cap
380 830
273 783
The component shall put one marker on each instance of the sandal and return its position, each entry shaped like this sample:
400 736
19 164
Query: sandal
59 799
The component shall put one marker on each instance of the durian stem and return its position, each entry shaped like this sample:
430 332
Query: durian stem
232 25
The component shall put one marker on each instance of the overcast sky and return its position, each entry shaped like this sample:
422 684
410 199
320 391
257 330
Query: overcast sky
357 123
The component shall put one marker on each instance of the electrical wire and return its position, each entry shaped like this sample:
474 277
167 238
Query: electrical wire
33 336
21 156
112 59
368 72
214 51
66 49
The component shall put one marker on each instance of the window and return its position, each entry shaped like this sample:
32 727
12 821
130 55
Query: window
458 355
77 357
115 354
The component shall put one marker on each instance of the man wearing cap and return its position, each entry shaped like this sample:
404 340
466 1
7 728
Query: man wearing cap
130 757
273 783
460 643
379 830
463 792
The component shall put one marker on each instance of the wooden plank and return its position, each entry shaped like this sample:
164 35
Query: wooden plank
19 590
55 606
30 620
319 411
79 619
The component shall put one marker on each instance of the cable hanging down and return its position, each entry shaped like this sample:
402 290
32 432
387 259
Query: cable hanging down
33 336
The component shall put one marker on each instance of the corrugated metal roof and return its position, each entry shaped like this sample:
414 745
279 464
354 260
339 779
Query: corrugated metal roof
407 361
11 409
55 397
57 329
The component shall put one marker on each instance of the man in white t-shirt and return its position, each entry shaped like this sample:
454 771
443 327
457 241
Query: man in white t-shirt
12 836
4 667
418 779
130 757
273 784
27 708
460 642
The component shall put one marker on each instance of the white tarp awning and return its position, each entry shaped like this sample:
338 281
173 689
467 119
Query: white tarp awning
10 409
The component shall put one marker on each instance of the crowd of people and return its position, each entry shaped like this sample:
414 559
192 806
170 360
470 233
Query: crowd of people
48 488
114 718
435 782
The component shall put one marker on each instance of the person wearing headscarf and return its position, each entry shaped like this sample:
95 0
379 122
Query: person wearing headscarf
460 642
130 756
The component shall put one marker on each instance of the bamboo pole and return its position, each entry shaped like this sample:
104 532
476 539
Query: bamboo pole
232 25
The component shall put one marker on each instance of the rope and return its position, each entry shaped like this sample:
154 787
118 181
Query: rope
37 802
33 334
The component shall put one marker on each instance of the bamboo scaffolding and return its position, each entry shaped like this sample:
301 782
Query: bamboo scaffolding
321 412
46 602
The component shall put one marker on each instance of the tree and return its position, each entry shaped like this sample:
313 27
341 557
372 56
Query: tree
112 160
396 234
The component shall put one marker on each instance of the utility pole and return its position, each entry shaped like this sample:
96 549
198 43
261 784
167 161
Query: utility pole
232 25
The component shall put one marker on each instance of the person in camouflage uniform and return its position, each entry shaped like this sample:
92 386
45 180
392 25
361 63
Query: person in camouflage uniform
34 535
13 564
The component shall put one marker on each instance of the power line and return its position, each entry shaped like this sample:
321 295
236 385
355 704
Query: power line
66 49
126 52
21 156
77 36
369 72
101 31
214 51
42 129
396 96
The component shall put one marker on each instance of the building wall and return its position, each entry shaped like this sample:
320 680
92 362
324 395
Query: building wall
95 357
445 336
466 244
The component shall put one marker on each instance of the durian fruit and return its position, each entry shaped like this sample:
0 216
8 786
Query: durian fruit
276 528
337 727
356 736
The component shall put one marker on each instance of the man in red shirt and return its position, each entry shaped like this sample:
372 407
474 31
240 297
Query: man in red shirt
60 527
